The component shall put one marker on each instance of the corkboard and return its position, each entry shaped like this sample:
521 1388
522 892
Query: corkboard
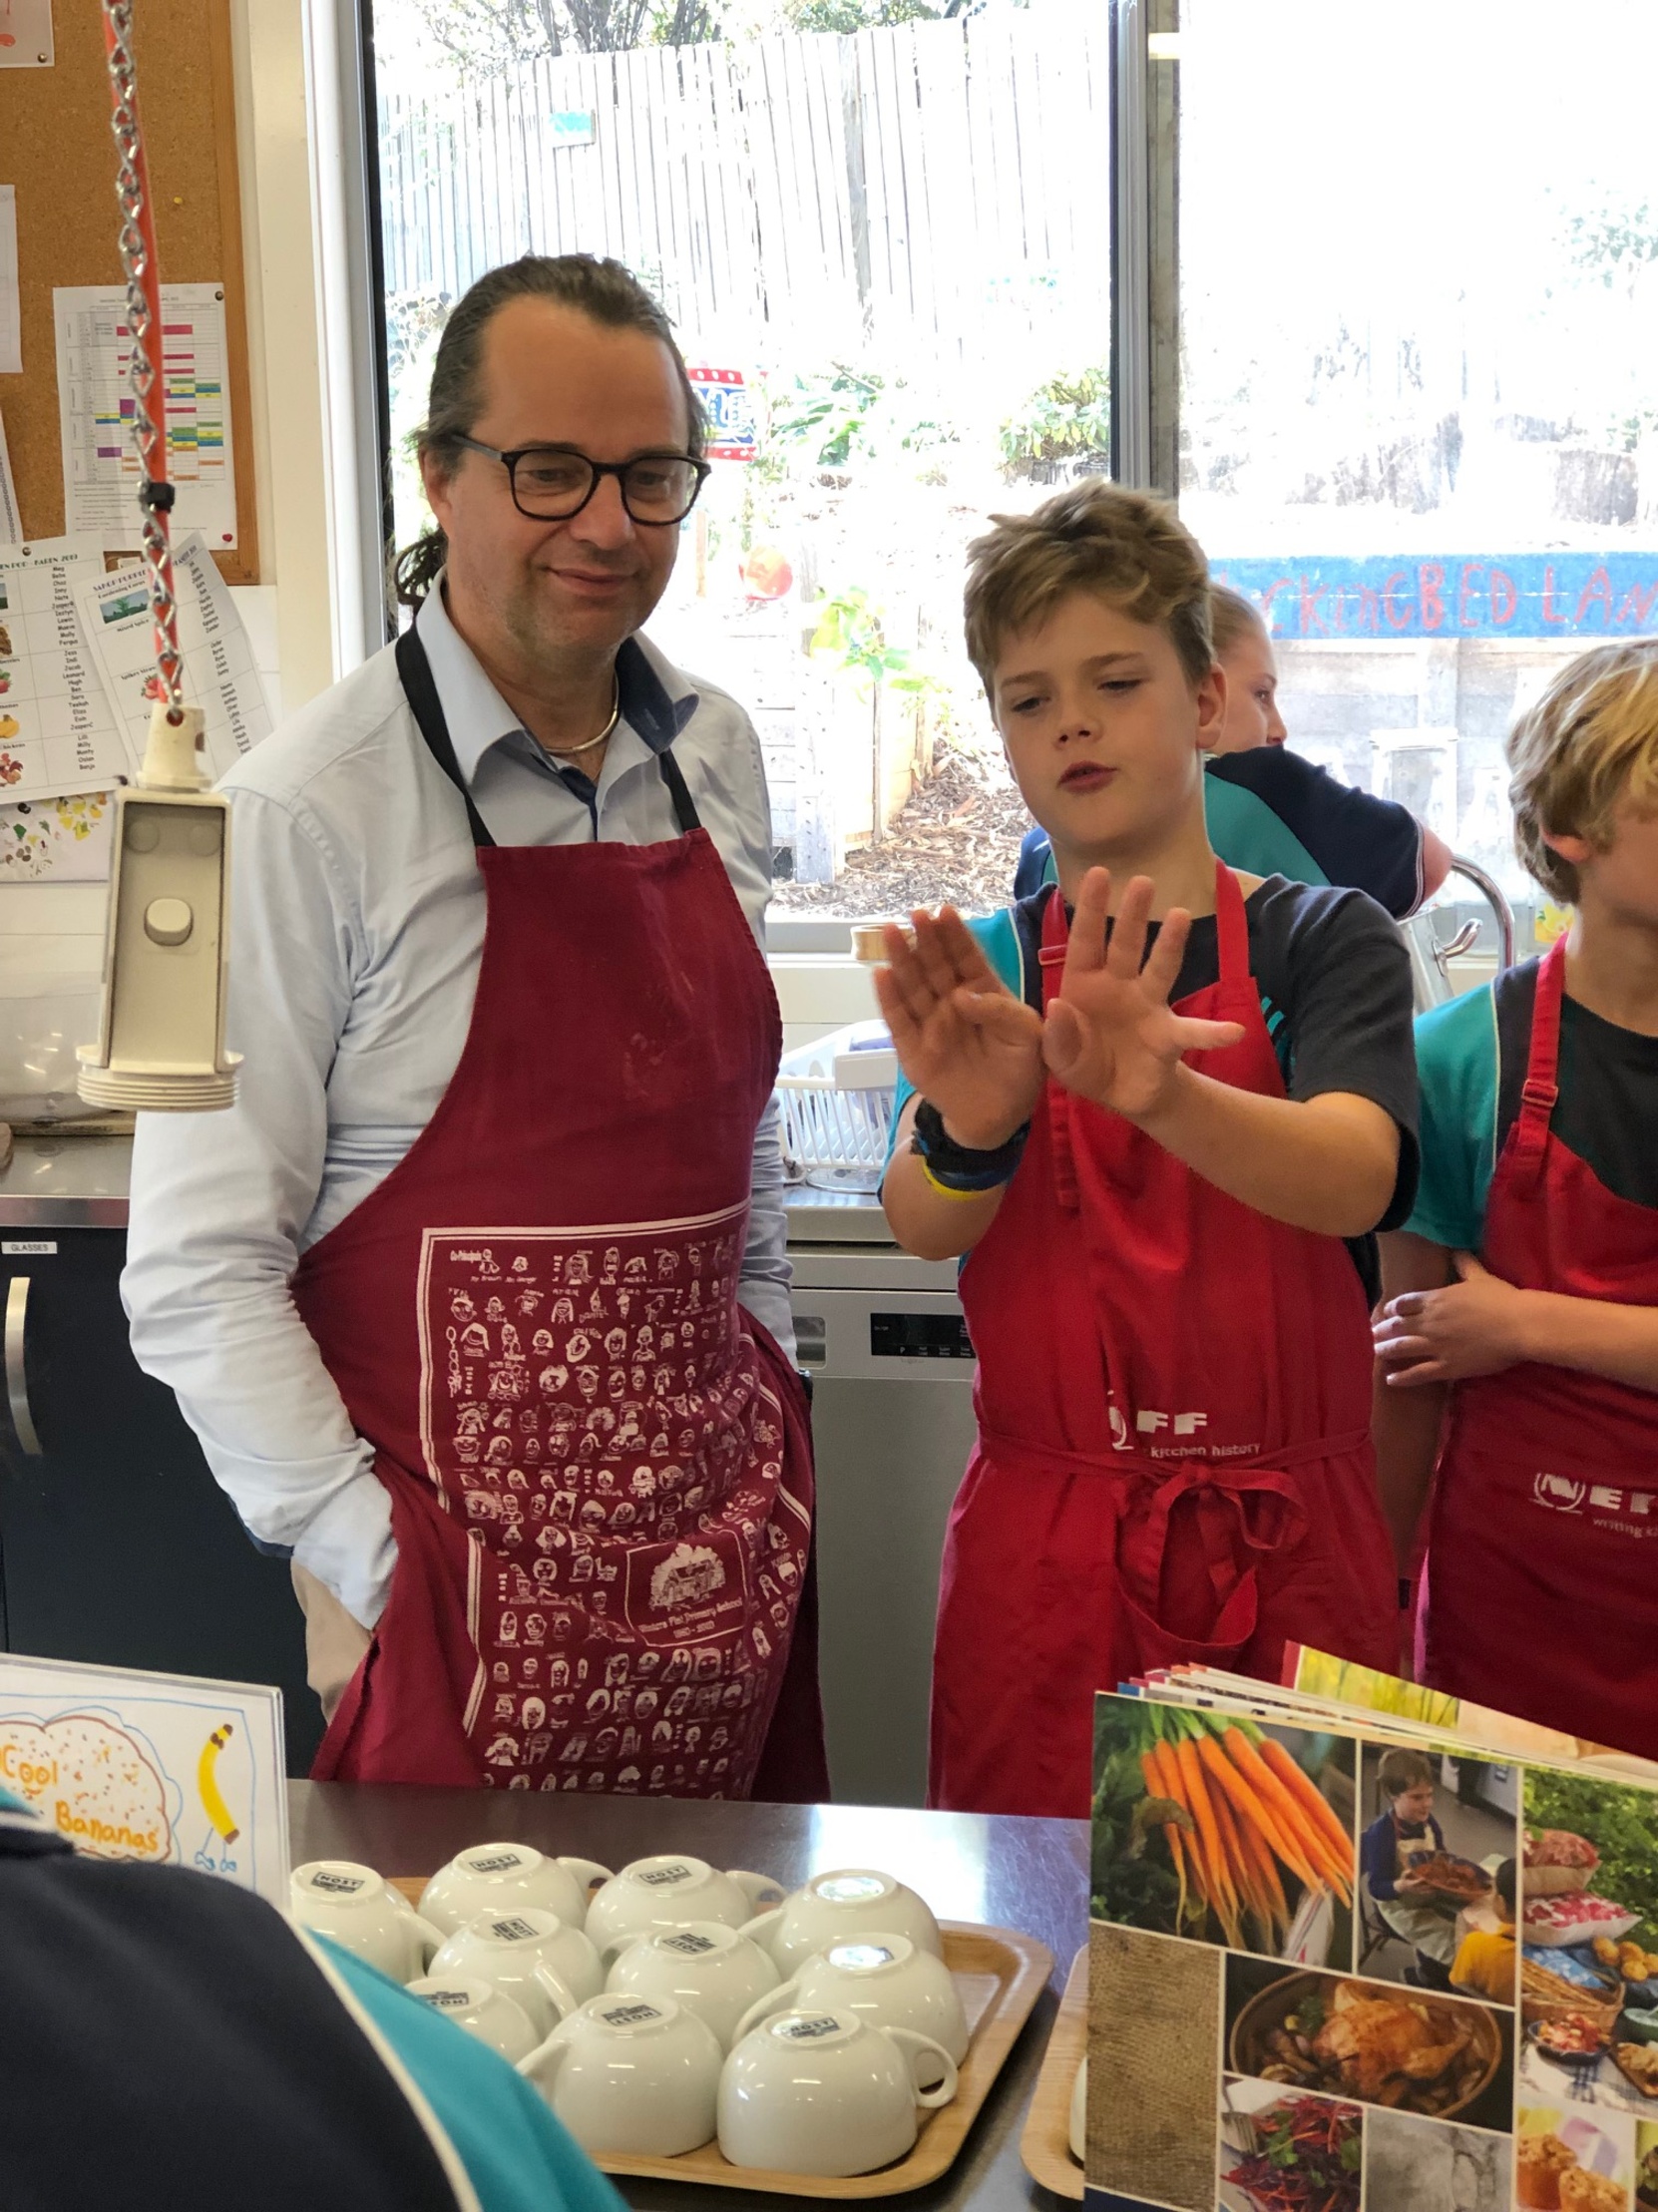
57 149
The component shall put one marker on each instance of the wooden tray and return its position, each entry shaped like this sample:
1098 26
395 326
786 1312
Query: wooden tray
1046 2144
1000 1974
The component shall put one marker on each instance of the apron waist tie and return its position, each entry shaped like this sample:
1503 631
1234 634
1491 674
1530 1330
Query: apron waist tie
1241 1512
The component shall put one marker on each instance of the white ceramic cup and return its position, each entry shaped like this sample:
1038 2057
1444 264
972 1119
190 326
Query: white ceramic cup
362 1910
707 1968
481 2009
1080 2115
887 1980
502 1877
669 1890
825 2093
538 1962
630 2074
834 1908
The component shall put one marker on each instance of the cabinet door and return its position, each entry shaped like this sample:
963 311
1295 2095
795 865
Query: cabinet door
116 1543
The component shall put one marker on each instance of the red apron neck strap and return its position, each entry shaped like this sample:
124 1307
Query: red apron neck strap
1231 926
1056 1098
1541 1089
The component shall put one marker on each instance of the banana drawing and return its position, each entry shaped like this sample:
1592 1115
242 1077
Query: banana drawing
207 1786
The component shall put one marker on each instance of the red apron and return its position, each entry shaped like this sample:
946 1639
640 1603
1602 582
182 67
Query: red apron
1542 1599
599 1464
1174 1460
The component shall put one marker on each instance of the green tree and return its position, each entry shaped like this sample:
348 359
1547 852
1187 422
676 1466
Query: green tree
486 36
847 16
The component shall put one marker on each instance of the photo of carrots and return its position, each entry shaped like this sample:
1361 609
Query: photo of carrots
1213 1826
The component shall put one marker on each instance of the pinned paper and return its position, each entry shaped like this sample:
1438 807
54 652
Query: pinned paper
95 410
161 1768
11 317
11 524
219 675
58 731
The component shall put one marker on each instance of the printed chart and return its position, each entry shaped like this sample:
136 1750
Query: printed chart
99 468
58 731
219 675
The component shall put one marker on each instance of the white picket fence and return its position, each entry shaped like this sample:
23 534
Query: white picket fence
938 188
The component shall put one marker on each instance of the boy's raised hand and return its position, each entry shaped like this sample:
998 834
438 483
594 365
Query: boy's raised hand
961 1038
1110 1036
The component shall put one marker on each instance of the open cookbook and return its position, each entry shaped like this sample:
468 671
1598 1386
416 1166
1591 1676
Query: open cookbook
1357 1948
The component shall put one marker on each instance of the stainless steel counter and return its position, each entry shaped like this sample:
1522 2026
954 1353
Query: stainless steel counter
67 1182
61 1182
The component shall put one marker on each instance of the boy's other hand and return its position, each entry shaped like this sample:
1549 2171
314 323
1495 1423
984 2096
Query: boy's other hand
961 1038
1476 1326
1110 1035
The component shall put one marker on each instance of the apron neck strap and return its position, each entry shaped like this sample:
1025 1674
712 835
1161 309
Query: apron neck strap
1541 1090
414 671
1231 926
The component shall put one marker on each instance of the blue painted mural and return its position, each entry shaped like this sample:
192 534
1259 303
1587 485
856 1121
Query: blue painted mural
1584 596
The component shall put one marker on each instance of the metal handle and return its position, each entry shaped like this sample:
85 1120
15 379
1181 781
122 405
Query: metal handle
1453 947
17 1377
1491 892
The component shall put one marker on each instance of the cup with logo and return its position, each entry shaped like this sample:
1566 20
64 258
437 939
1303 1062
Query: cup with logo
542 1966
502 1877
705 1967
826 2093
632 2075
883 1980
483 2010
670 1890
834 1908
360 1910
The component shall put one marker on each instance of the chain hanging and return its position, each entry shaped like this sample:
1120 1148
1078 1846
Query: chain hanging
145 363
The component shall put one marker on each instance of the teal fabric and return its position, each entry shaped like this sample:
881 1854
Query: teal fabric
999 940
517 2156
1457 1074
1246 834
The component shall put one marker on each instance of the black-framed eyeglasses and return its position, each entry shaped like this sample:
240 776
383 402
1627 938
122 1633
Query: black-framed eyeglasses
550 483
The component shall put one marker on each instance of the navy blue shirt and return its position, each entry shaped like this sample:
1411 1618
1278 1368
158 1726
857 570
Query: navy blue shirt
1272 813
1379 1850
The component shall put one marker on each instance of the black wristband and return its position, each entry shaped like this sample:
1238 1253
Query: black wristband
960 1166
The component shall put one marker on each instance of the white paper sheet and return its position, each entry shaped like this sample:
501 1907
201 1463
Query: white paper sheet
58 840
219 674
11 523
99 468
167 1769
11 315
58 729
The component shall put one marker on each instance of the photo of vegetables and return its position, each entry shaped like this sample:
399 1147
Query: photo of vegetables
1589 1935
1289 2154
1216 1829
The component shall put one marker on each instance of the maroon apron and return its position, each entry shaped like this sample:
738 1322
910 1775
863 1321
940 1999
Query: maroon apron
1543 1596
599 1464
1174 1460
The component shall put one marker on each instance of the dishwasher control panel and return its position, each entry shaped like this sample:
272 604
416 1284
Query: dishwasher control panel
917 1334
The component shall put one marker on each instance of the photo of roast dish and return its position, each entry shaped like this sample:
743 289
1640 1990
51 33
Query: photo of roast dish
1408 2051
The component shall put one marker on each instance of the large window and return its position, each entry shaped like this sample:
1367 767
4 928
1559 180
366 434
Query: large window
1419 297
881 231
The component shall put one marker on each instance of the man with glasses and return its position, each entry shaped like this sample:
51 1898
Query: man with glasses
478 1299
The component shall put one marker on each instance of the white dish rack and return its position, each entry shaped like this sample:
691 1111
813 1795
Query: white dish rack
836 1103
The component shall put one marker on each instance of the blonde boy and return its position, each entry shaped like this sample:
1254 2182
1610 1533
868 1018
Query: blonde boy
1518 1346
1150 1103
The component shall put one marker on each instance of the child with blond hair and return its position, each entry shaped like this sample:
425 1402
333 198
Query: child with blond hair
1158 1108
1518 1344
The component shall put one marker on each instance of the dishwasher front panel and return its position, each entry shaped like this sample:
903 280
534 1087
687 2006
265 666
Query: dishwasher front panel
892 1424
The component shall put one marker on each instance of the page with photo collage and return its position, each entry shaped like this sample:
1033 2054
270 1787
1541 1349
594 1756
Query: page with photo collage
1340 1961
